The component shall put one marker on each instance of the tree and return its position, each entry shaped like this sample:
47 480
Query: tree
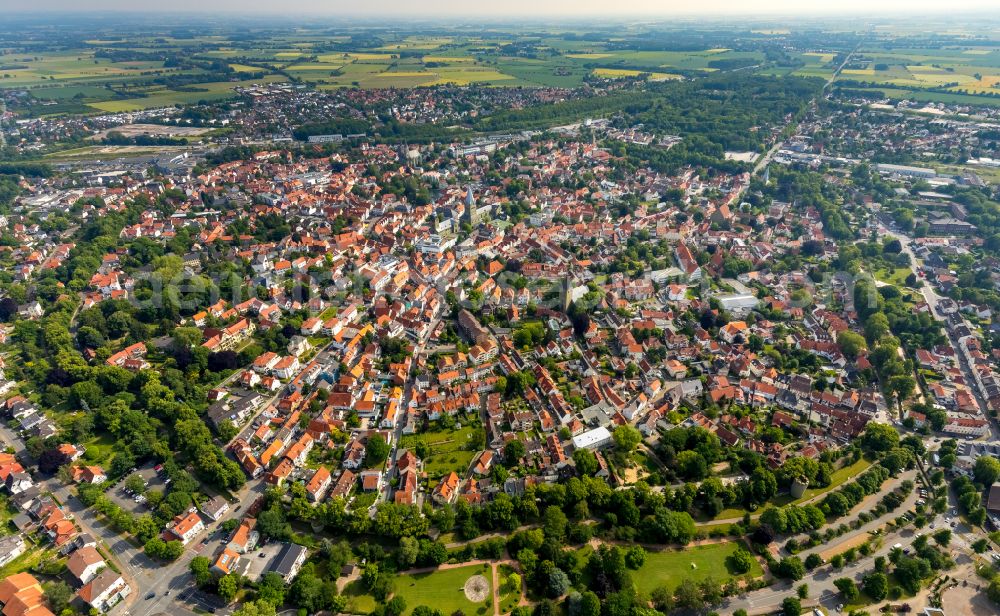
512 453
790 568
395 607
376 451
691 465
688 595
271 589
635 557
409 548
986 470
59 594
558 582
993 590
791 606
813 560
135 483
876 585
880 437
255 608
228 586
942 536
848 589
740 561
586 462
851 343
626 438
200 568
585 604
555 523
307 592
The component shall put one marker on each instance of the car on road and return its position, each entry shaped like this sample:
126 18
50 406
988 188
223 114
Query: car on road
150 595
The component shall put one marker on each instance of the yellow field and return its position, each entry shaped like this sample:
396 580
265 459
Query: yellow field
822 56
932 79
315 66
245 68
858 71
978 52
989 83
717 50
588 56
389 75
288 55
614 73
448 59
465 76
355 56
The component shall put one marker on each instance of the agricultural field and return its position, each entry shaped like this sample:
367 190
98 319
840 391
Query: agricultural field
671 567
70 68
699 61
166 97
615 73
947 74
81 81
443 589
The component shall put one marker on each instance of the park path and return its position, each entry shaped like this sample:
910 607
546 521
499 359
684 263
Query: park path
496 589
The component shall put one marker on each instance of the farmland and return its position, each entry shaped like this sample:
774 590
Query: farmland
952 74
116 73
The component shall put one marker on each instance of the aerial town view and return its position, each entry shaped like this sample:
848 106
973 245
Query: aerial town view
524 309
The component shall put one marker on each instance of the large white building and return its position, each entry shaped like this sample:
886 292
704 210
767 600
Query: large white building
593 439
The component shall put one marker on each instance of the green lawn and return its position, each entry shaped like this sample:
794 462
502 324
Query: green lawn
358 601
837 479
24 562
670 567
443 590
895 277
448 450
509 597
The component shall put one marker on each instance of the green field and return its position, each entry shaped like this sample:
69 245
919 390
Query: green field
166 97
442 590
957 74
448 450
670 567
358 599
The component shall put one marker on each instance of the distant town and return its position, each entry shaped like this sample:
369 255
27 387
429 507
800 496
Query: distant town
413 321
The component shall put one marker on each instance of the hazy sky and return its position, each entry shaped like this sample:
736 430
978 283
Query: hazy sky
513 8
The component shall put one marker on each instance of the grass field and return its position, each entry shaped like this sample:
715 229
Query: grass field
165 97
895 277
671 567
358 600
442 590
448 450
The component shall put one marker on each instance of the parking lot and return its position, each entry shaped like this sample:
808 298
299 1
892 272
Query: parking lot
127 501
260 559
